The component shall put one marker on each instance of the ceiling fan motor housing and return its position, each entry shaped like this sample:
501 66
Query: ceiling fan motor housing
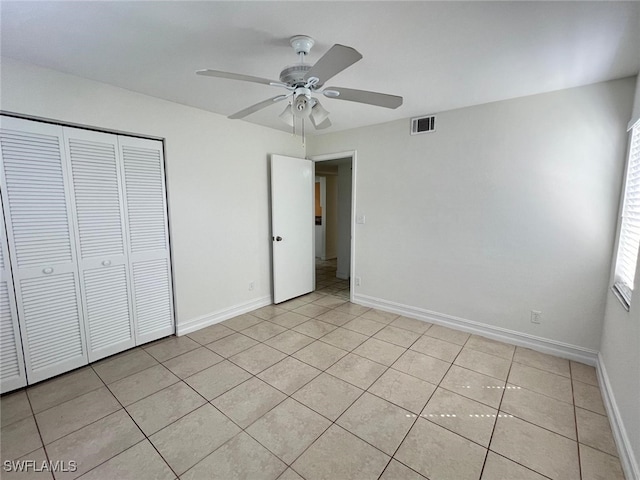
302 102
294 75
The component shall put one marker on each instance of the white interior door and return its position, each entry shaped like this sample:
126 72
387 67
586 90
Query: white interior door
146 222
37 204
292 224
12 372
99 214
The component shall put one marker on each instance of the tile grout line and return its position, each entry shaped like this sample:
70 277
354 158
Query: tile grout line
146 396
487 448
137 426
44 445
33 414
367 391
287 396
420 414
351 351
520 386
101 418
70 398
529 469
104 385
417 416
333 422
575 419
530 423
493 430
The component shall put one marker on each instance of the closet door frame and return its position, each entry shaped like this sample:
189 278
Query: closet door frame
56 128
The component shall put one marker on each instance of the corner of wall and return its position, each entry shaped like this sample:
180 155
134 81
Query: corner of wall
621 437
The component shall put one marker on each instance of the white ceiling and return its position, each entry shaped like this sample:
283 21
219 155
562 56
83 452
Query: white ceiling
437 55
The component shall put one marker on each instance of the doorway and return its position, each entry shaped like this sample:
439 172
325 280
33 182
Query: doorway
334 207
326 280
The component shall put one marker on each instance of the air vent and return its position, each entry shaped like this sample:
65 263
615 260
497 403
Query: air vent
423 124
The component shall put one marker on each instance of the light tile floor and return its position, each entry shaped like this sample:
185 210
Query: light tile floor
317 388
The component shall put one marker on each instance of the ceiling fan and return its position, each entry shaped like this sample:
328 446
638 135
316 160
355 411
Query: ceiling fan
303 81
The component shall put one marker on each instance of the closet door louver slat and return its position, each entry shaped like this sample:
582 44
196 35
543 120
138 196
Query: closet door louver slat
8 341
46 300
41 238
99 214
39 214
153 296
145 198
107 306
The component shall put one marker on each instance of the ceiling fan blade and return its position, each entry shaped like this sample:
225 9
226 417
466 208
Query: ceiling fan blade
333 62
257 106
234 76
363 96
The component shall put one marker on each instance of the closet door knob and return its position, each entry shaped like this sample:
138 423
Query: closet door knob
47 270
106 263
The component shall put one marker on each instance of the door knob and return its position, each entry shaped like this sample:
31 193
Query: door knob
106 263
278 239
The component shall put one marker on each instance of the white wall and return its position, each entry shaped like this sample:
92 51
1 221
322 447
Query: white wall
620 351
508 207
216 179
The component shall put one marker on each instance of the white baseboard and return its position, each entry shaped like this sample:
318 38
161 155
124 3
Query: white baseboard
545 345
221 315
625 451
342 275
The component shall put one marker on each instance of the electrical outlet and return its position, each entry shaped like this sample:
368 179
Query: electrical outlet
536 316
252 285
358 280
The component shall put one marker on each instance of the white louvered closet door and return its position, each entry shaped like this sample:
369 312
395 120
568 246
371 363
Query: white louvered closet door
12 372
37 205
101 239
146 216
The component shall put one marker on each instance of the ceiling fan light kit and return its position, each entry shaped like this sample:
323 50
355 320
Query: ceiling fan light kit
318 114
287 116
303 80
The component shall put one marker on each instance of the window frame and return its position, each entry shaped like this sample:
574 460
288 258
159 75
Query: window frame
624 275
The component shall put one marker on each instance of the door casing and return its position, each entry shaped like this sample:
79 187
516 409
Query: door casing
354 163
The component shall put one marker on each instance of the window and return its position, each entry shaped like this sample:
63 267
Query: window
630 229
